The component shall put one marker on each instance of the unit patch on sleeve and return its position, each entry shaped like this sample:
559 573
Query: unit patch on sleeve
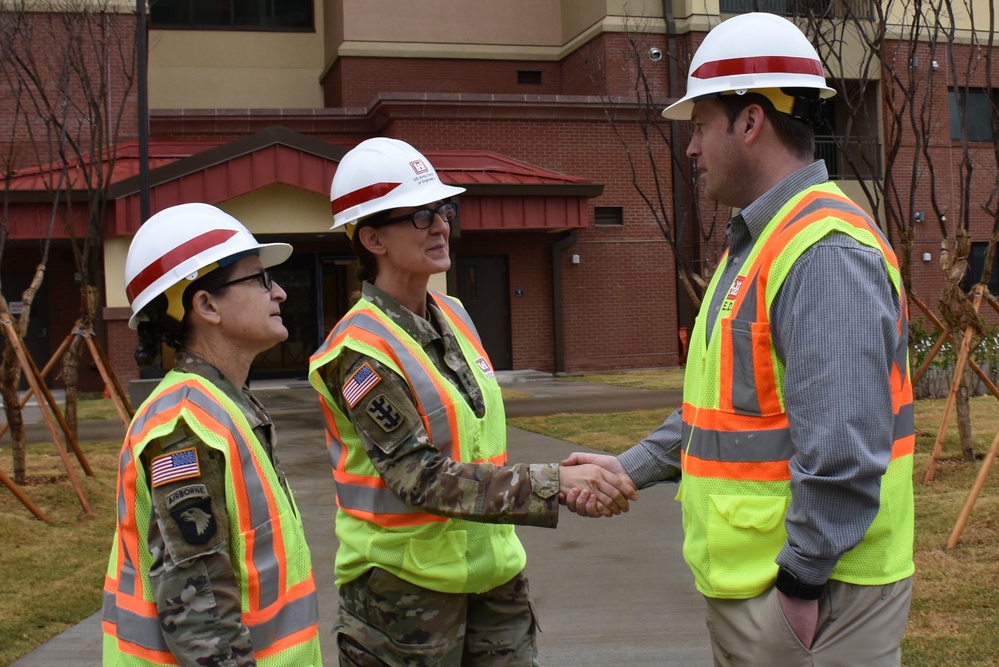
191 509
359 384
386 415
175 467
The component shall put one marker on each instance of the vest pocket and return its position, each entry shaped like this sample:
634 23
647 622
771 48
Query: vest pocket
750 346
439 559
744 535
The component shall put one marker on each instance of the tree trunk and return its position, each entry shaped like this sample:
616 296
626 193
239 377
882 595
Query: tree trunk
15 419
70 377
964 417
10 375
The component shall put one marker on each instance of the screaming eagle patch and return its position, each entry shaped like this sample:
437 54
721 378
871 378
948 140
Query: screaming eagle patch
191 509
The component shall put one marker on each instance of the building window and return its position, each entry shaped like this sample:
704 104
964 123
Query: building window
976 263
529 76
806 8
980 116
232 14
608 216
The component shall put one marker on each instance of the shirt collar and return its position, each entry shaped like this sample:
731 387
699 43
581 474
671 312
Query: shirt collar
757 215
419 329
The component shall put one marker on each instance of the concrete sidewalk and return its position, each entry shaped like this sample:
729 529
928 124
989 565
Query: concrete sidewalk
608 591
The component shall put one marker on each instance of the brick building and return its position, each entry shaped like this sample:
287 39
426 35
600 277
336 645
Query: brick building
529 104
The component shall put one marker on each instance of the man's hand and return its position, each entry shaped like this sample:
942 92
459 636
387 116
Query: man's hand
802 616
595 485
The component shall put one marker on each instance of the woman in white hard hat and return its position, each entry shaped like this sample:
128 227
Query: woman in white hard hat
429 570
209 563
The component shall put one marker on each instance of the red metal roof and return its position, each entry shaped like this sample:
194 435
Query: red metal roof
502 193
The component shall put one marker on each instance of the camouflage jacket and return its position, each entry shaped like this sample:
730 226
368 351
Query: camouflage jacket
416 471
192 577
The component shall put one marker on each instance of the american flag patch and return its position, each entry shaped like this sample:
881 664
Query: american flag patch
359 384
176 466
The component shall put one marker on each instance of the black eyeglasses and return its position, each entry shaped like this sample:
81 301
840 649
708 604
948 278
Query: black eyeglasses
262 275
424 217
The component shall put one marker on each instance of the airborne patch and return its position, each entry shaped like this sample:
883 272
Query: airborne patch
195 520
386 415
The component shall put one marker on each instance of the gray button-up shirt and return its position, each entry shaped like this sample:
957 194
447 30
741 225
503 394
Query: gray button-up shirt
834 324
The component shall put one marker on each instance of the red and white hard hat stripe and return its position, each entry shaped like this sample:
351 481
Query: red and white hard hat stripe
362 196
759 65
171 260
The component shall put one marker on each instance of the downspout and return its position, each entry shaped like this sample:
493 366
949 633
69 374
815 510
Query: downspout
558 332
677 177
142 67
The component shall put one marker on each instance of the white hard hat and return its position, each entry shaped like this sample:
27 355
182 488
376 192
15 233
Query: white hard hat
751 52
382 174
175 246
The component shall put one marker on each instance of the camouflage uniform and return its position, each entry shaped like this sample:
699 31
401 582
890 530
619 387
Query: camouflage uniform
192 577
385 620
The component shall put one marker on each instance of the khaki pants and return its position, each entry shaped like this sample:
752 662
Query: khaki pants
387 621
858 625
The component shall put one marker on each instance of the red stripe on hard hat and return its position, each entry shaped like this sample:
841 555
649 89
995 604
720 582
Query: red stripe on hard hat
174 258
365 194
759 65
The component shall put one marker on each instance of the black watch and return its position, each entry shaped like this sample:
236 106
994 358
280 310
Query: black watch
791 586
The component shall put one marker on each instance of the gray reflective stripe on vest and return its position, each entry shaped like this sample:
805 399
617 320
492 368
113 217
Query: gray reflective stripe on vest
740 446
764 445
293 617
744 378
127 575
134 628
368 499
904 421
420 381
264 556
457 310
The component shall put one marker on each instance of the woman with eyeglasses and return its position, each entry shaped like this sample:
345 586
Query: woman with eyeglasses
209 564
429 568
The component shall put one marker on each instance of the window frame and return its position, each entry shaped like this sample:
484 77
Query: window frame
188 7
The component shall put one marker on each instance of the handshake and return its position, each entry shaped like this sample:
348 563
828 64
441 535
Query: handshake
594 485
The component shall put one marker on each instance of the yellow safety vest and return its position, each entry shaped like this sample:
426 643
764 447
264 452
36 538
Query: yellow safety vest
267 542
374 526
737 443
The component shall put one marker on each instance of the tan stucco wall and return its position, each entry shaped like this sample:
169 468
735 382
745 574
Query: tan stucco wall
201 69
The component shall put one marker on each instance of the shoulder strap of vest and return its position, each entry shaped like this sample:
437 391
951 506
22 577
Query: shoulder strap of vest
459 318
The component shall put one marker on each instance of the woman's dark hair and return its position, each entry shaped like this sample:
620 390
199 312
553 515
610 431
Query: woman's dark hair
797 135
158 327
367 269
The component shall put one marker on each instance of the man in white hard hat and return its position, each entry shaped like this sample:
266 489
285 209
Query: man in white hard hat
797 489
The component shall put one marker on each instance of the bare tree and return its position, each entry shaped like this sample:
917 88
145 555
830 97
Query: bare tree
667 187
72 69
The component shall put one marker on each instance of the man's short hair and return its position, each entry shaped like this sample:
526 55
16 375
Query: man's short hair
797 135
